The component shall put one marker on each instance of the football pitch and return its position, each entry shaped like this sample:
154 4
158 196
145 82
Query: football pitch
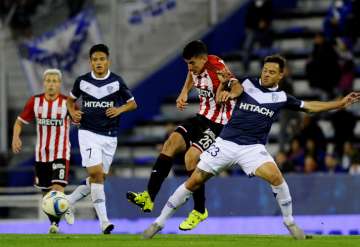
172 240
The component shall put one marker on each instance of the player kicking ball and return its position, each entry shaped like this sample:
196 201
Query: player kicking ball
242 141
206 73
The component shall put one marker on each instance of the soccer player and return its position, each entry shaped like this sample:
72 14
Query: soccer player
207 73
242 142
105 97
52 150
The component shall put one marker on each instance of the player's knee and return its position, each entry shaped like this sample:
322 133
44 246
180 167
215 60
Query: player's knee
191 161
276 179
57 187
97 177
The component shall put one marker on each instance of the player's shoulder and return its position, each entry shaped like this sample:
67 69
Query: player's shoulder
63 96
115 77
214 63
86 77
252 79
39 95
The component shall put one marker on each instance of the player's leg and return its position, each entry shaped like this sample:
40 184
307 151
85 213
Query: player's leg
82 191
217 158
174 144
271 173
180 196
60 171
98 195
199 213
91 149
43 177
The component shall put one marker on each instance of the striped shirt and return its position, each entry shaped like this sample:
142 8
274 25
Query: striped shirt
207 83
52 127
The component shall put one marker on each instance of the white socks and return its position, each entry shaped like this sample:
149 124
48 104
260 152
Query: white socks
284 200
177 199
98 199
79 193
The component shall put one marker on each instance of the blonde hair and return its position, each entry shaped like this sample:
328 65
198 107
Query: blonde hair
54 72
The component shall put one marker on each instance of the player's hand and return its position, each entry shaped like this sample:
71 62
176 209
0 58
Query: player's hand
76 115
113 112
224 75
350 99
181 102
223 96
16 145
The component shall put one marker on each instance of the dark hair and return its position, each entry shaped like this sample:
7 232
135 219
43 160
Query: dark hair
194 48
99 48
280 60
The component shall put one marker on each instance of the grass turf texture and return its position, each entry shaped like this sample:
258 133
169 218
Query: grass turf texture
68 240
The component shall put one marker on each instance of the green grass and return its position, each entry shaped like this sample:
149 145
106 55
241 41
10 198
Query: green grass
67 240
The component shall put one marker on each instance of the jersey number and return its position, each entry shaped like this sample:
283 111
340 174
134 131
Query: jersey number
213 150
206 141
89 149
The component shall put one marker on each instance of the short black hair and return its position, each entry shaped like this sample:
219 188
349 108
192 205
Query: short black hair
280 60
194 48
99 47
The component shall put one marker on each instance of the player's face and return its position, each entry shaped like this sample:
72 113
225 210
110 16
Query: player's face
271 75
100 63
52 84
196 64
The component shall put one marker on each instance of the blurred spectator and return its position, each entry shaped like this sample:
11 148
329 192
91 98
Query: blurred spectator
355 21
337 20
332 164
350 156
316 152
343 122
75 6
20 22
296 155
323 69
310 129
310 165
355 169
257 28
283 163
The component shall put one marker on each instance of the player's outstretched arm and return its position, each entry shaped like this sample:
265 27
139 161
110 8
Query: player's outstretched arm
116 111
319 106
16 140
74 113
236 90
181 101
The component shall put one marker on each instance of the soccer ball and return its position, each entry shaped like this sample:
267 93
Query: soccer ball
55 203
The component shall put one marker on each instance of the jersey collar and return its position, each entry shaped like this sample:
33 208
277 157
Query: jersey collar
274 88
97 78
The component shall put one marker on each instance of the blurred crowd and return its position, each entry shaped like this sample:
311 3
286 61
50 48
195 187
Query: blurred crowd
330 71
19 14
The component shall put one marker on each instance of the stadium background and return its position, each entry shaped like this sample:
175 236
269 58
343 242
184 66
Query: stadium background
319 155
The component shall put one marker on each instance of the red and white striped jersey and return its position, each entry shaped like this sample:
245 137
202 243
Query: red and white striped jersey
207 83
52 127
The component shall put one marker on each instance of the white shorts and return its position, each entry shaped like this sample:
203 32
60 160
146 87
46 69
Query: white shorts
96 149
223 154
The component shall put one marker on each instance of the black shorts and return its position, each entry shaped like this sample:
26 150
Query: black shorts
199 132
49 173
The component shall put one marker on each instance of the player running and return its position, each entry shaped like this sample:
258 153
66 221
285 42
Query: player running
52 150
242 142
105 97
207 73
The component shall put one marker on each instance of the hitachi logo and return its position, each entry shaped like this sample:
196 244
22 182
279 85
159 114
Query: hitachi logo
103 104
256 108
50 122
